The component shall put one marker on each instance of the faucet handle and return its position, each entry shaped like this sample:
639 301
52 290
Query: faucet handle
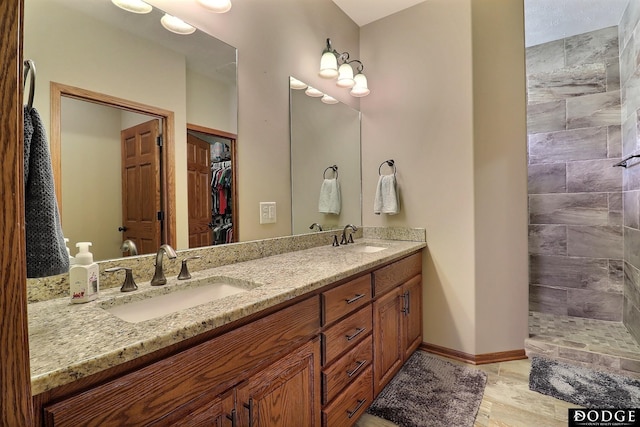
184 270
129 284
335 241
350 240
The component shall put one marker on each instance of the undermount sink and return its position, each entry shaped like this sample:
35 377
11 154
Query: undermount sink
364 248
140 310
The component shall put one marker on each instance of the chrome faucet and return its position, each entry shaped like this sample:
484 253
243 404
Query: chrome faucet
344 240
315 224
158 276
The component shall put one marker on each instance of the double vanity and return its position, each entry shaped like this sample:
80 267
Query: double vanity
305 337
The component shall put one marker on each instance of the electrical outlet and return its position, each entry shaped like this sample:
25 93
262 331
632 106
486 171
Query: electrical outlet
267 212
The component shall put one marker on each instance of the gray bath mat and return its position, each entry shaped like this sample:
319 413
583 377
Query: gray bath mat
431 392
583 386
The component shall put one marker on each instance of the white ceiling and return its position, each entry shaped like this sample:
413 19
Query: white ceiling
545 20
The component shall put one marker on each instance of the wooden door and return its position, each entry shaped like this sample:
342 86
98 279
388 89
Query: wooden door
412 316
141 186
199 191
287 393
387 351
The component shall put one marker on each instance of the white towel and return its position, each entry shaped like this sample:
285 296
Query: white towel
329 201
386 200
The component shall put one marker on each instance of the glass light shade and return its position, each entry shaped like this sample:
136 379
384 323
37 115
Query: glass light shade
296 84
135 6
329 99
361 87
328 66
217 6
313 92
345 78
176 25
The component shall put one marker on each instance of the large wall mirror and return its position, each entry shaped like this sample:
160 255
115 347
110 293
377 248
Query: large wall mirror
106 77
325 152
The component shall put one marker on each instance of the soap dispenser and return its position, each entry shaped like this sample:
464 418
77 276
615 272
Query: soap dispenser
72 260
84 275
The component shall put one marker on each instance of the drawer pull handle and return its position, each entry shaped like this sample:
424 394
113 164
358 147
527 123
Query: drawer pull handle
358 332
357 408
249 406
357 368
356 298
232 418
405 303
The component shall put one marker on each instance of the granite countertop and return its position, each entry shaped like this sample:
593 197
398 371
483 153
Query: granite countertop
70 341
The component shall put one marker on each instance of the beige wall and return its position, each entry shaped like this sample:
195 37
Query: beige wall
500 175
450 111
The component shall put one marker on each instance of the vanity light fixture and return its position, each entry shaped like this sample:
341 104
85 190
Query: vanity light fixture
176 25
313 92
135 6
296 84
217 6
328 99
329 70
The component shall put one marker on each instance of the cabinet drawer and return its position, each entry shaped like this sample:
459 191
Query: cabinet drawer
394 274
345 298
346 369
349 405
346 334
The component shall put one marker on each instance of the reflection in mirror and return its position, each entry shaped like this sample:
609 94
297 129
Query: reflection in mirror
101 49
323 135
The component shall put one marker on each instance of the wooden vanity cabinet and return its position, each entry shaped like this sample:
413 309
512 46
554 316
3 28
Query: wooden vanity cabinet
206 381
397 317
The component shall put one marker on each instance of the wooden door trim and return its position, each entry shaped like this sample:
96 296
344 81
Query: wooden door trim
234 172
58 90
16 406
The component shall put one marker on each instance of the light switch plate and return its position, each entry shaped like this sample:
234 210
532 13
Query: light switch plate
267 212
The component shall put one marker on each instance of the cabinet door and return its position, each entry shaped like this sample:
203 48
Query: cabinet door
387 324
412 315
287 393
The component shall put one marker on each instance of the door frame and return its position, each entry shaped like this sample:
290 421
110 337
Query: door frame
234 171
167 178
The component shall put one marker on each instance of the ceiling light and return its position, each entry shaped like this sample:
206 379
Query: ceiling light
313 92
329 99
135 6
217 6
176 25
329 70
296 84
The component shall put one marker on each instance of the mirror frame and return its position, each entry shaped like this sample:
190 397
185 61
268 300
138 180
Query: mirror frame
167 177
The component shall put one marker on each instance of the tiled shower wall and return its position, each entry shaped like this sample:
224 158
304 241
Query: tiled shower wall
575 195
629 36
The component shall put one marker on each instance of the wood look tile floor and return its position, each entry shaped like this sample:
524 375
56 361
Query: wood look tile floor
507 401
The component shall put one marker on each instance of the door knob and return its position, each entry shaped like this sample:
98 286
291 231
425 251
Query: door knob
123 228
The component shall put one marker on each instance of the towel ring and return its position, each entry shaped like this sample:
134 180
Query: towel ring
30 70
335 171
390 163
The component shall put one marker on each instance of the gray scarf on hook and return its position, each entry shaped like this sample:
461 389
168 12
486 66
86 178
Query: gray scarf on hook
46 250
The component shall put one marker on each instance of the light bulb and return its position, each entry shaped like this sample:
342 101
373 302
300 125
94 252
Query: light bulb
361 87
217 6
176 25
135 6
328 66
345 78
